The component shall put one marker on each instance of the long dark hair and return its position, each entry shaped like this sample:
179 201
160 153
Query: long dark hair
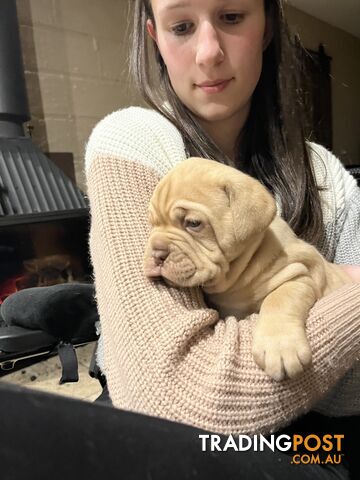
272 146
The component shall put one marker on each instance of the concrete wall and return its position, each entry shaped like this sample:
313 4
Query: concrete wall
76 71
75 65
345 69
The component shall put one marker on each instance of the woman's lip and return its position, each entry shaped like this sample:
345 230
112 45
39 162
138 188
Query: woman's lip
215 88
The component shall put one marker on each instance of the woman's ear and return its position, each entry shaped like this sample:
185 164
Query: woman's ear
151 29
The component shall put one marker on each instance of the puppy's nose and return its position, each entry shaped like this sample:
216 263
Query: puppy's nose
160 255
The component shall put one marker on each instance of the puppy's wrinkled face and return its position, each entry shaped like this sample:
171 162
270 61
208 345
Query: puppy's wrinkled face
184 247
195 231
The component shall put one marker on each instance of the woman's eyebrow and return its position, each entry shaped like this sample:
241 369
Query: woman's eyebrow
174 6
180 4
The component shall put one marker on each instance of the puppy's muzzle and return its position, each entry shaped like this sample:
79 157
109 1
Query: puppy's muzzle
160 252
157 254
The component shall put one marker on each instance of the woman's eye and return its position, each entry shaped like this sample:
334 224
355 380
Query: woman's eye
181 28
232 18
193 224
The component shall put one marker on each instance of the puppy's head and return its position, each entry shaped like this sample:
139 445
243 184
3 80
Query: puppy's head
203 214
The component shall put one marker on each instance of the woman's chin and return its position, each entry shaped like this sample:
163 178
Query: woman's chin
214 112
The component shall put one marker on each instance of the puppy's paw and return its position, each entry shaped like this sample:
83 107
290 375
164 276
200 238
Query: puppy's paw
282 354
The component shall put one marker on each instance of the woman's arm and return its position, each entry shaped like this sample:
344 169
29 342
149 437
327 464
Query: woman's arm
168 355
348 241
343 188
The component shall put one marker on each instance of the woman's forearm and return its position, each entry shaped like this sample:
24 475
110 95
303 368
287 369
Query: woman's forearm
166 354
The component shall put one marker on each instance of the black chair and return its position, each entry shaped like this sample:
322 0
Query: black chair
44 321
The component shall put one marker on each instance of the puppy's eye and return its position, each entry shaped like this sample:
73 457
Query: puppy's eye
194 225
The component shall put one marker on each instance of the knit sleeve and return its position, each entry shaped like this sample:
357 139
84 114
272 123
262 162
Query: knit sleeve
343 196
348 238
340 196
165 353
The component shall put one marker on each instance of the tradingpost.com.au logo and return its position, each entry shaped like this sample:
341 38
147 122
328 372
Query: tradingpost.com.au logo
310 449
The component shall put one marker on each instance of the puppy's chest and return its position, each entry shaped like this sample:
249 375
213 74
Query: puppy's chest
239 304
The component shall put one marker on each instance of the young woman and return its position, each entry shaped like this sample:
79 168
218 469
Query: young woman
220 76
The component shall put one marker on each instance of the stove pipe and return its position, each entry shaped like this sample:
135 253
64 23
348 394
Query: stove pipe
31 186
14 106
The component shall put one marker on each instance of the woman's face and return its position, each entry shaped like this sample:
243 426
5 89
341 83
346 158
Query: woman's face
213 53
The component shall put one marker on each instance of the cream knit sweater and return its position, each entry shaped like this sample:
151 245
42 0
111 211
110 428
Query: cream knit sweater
165 353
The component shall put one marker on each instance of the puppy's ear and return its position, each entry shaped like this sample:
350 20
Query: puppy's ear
252 207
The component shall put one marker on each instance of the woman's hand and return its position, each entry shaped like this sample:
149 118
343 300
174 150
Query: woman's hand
353 271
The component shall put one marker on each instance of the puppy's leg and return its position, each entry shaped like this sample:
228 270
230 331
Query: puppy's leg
280 346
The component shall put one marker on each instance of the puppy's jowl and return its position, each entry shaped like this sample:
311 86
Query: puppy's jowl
215 227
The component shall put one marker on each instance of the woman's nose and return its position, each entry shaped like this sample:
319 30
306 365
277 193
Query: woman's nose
208 50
